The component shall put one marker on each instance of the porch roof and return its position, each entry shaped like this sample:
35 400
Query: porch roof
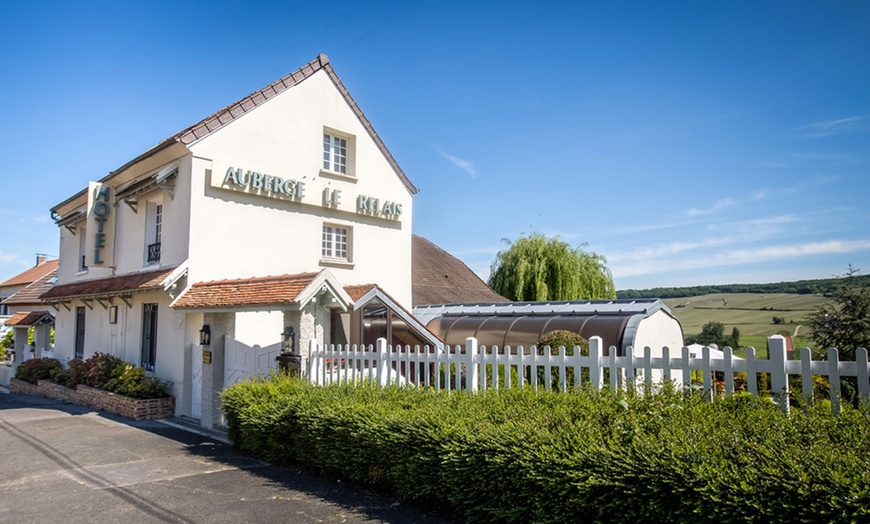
106 287
29 318
261 293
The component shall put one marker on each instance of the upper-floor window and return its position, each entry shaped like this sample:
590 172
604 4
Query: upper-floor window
338 153
82 233
334 153
336 243
153 232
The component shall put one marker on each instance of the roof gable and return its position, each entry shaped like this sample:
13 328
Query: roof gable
440 278
30 294
237 109
33 274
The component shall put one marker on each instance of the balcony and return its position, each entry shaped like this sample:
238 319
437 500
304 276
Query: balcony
154 252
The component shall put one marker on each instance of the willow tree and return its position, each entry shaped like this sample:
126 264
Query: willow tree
537 268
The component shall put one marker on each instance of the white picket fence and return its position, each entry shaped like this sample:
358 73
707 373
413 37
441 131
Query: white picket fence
475 367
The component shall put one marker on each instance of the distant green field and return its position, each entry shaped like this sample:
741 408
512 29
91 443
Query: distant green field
751 313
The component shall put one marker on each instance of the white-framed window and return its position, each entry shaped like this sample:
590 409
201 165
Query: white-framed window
338 153
334 153
335 243
153 231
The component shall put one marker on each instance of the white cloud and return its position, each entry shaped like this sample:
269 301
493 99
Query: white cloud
732 257
830 127
718 206
465 165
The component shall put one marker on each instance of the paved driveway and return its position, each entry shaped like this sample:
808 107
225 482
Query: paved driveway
67 464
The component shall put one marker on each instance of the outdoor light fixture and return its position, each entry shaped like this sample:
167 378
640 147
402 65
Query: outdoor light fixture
288 340
205 335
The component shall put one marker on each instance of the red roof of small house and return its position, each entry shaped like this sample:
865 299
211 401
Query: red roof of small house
29 318
33 274
30 294
262 291
100 287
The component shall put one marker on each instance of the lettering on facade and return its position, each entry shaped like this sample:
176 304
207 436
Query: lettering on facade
331 197
254 182
263 183
100 209
375 206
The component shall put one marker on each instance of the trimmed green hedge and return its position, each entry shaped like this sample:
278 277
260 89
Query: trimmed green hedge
520 456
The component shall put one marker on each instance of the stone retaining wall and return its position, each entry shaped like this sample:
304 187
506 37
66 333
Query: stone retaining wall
132 408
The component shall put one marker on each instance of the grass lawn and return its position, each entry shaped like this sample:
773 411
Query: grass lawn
751 313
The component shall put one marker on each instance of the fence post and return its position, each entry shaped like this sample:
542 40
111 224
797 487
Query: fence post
471 371
708 374
834 378
686 368
807 374
596 376
383 374
863 375
778 376
315 362
729 370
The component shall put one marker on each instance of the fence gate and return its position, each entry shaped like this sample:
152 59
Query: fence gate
242 361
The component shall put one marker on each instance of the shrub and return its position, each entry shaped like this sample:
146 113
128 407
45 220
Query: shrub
569 340
74 374
100 369
37 369
587 456
131 381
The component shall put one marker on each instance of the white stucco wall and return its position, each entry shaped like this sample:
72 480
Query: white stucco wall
124 339
239 235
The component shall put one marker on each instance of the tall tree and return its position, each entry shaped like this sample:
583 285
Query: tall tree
844 324
536 268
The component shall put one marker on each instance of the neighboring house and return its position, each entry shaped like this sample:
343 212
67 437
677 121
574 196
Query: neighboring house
21 280
441 278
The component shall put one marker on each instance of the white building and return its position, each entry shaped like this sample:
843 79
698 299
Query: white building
246 223
279 219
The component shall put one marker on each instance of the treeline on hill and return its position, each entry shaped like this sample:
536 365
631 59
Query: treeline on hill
826 287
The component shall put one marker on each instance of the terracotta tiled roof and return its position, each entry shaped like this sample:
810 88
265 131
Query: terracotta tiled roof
33 274
440 278
28 318
30 294
357 292
117 285
265 291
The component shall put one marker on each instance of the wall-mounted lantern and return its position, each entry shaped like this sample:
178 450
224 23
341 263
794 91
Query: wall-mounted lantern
205 335
288 340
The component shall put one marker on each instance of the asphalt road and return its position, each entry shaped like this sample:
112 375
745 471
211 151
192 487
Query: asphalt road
66 463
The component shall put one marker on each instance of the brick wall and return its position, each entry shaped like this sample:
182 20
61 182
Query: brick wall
132 408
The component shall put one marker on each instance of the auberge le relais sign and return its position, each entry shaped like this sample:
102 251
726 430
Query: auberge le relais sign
266 185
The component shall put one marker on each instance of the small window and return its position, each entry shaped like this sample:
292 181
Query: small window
338 153
335 243
83 266
334 153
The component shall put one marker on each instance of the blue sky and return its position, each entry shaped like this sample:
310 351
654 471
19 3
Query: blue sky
688 142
